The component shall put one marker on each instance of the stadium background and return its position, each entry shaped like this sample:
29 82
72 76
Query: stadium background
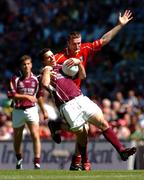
28 26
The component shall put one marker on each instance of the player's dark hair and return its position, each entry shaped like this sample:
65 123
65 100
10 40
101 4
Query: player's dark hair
23 58
42 52
73 35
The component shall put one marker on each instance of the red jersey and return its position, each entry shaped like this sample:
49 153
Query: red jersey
87 50
20 85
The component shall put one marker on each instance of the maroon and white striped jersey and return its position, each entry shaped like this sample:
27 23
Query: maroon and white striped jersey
21 85
63 86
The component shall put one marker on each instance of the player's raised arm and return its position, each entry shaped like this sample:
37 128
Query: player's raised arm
123 20
45 78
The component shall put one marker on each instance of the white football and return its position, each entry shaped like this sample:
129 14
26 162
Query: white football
70 71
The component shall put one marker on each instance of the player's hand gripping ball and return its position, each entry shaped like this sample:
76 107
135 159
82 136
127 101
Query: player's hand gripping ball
71 70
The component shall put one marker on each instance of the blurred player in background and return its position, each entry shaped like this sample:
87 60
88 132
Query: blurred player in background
76 108
25 92
84 51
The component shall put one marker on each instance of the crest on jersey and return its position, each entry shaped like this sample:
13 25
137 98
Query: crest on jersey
33 83
21 84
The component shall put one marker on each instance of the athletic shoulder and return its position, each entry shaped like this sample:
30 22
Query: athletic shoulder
60 54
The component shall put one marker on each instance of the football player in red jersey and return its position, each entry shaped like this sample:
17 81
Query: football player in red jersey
83 51
25 92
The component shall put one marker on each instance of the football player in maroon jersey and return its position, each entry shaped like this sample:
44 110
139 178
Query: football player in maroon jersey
26 93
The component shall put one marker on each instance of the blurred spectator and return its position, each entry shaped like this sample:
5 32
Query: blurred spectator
132 99
4 134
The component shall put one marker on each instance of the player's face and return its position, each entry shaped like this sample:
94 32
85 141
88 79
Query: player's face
26 67
49 59
74 45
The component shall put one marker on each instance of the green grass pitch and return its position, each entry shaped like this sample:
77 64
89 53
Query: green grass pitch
71 175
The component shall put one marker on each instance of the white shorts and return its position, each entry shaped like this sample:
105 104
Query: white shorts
20 117
78 111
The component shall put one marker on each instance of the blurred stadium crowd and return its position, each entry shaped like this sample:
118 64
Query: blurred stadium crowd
114 76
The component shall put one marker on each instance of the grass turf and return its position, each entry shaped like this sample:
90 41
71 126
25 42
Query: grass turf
71 175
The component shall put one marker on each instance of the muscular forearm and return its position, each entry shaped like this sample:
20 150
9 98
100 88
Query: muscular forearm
41 104
45 79
25 97
42 107
20 96
82 73
107 37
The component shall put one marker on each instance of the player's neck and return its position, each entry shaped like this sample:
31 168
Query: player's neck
27 75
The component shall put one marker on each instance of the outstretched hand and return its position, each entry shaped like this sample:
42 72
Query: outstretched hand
127 16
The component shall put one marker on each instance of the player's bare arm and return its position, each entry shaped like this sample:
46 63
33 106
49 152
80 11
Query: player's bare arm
45 79
42 108
123 20
25 96
82 73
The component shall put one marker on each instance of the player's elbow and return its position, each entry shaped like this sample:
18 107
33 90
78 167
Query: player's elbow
45 82
11 95
105 40
82 76
44 85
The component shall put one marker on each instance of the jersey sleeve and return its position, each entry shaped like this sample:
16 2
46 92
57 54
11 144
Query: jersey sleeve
12 87
92 47
60 57
40 91
97 45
